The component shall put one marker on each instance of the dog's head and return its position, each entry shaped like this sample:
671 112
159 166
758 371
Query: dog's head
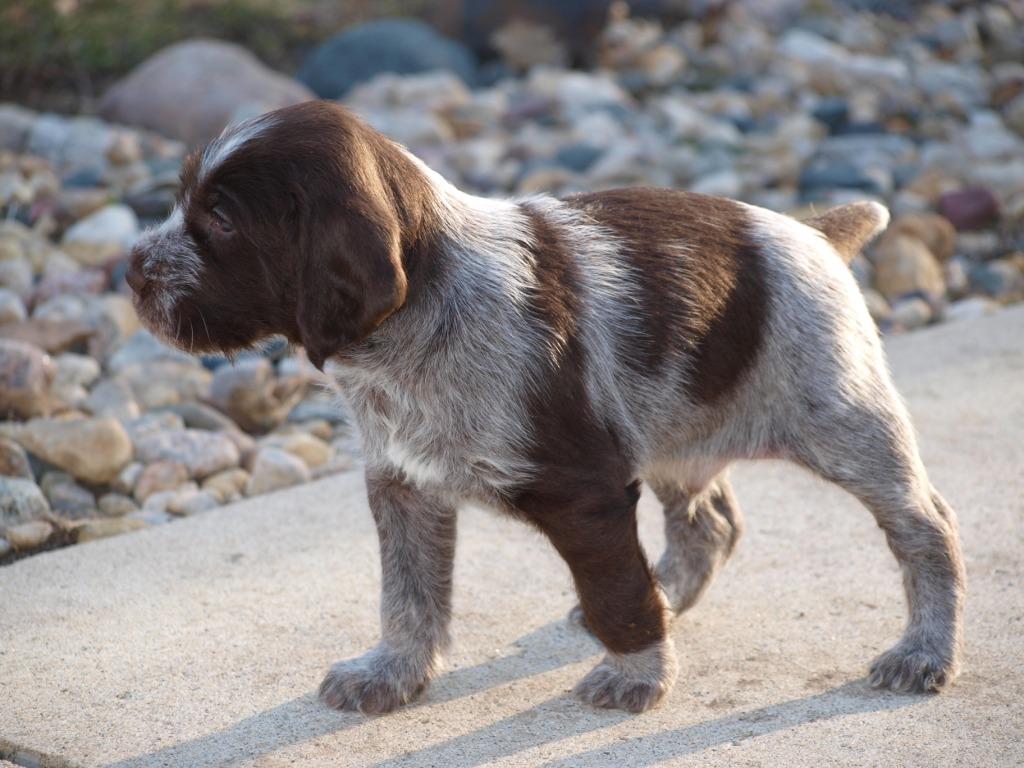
292 223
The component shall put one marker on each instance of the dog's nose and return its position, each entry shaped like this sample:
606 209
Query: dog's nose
136 280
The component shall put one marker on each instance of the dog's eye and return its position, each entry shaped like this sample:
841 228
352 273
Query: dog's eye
219 222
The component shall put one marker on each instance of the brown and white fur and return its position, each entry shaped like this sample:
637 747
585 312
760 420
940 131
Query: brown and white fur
543 357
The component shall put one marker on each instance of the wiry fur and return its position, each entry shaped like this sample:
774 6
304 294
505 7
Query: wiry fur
541 356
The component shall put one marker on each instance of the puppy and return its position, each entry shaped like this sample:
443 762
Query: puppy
543 356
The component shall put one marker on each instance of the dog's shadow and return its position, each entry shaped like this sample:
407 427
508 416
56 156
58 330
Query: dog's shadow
304 719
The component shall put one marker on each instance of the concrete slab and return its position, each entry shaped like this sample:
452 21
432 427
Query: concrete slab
202 643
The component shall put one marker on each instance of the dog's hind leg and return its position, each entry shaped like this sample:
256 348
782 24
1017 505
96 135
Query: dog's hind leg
866 445
701 531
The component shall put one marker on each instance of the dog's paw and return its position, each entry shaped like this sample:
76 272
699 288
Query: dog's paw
912 669
634 682
373 684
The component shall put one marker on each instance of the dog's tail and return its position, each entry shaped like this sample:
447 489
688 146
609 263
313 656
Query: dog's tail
852 226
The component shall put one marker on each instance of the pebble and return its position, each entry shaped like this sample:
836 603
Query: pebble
26 374
970 308
116 505
94 450
111 230
313 451
1001 279
904 265
21 500
203 453
974 208
29 535
69 499
193 503
12 308
104 528
274 469
112 397
160 476
936 232
13 460
911 313
126 479
227 485
247 393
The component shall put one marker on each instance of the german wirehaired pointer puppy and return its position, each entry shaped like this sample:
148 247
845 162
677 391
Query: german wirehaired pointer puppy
542 356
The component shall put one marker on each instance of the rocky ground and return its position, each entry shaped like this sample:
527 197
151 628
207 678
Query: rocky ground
109 431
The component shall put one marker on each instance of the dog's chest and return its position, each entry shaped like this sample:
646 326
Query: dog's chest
436 439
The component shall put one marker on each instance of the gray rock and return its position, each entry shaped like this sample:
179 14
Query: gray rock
192 503
144 348
69 499
76 370
160 476
150 424
248 393
116 505
26 374
114 224
204 453
12 308
970 308
191 90
911 313
21 500
402 46
274 469
1001 279
113 397
16 275
200 416
13 460
126 479
15 126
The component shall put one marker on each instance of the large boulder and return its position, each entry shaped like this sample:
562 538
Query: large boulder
192 89
402 46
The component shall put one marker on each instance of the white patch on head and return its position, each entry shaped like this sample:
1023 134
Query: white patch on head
230 139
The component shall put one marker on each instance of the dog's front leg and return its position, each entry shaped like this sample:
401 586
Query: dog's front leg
417 548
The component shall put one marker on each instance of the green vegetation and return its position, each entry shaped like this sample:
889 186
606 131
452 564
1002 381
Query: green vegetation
62 53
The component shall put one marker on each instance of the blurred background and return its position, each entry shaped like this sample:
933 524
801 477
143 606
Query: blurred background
795 105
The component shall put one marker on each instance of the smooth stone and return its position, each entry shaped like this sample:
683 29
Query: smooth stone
274 469
1001 279
13 460
194 88
911 313
193 503
361 52
93 450
104 528
248 393
116 505
29 535
203 453
126 479
26 374
50 334
113 224
76 370
318 406
227 485
201 416
974 208
970 308
936 232
313 451
12 308
21 500
113 397
143 347
152 424
71 500
904 265
161 500
160 476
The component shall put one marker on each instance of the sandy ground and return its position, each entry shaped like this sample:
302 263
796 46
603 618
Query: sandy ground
201 643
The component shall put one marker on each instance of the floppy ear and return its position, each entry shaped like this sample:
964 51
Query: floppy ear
350 279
